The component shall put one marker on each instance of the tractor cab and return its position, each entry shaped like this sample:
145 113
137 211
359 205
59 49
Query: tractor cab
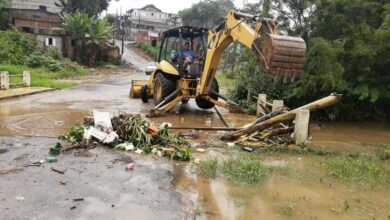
189 61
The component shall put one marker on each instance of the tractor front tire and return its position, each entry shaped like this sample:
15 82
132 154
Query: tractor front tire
163 87
205 104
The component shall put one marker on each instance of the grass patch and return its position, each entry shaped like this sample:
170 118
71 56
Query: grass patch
209 168
42 77
147 47
246 169
362 171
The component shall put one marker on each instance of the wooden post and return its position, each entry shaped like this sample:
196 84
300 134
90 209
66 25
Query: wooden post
261 104
4 80
277 104
26 78
301 128
248 95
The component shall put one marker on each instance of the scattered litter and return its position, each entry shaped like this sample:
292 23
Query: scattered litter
111 137
191 135
139 151
56 150
125 146
35 164
249 149
19 198
102 120
51 159
130 166
201 150
130 132
63 183
196 160
73 207
231 144
58 171
78 199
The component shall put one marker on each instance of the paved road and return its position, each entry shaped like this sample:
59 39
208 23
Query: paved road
132 57
97 175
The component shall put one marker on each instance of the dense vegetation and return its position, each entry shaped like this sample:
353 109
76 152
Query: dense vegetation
90 33
19 52
89 7
348 53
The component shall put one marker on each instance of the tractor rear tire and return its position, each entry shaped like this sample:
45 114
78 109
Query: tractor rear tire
145 93
205 104
163 87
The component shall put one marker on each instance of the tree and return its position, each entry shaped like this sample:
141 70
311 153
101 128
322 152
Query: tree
360 28
89 7
76 25
89 33
98 35
206 13
4 16
294 16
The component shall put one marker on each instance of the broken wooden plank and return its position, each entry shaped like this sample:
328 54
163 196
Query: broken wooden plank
319 104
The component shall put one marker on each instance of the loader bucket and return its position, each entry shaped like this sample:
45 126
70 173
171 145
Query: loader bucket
283 56
135 90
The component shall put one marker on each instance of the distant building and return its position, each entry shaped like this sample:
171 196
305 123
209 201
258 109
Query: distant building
38 17
47 5
146 23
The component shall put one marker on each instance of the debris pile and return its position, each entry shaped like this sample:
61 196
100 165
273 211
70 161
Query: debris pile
130 132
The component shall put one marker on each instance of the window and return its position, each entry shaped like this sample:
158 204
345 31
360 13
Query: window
50 41
73 43
152 14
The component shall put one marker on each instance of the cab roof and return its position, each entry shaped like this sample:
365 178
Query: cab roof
187 31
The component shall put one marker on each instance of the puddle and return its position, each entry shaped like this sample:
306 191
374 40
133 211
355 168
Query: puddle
51 121
304 191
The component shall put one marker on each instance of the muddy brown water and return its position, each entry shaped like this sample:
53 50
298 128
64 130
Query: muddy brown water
304 191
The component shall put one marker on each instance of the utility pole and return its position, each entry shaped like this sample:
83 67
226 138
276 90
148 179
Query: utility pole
122 24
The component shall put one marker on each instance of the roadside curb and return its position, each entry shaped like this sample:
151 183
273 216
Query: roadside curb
16 95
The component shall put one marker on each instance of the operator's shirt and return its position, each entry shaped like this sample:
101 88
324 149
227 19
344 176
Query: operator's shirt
188 55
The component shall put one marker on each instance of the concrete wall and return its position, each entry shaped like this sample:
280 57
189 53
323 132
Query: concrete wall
44 41
34 4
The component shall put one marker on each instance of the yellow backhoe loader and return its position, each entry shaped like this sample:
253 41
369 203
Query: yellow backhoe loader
173 81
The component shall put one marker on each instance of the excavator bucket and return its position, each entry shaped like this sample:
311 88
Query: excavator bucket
135 90
283 56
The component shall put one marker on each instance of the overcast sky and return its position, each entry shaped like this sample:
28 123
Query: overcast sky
172 6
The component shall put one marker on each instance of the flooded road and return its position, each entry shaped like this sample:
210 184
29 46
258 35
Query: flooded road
162 189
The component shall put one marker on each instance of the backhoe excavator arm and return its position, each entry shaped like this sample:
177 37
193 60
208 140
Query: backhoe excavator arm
281 55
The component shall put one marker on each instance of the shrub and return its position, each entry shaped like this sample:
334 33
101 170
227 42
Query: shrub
15 46
36 59
52 64
54 53
71 66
